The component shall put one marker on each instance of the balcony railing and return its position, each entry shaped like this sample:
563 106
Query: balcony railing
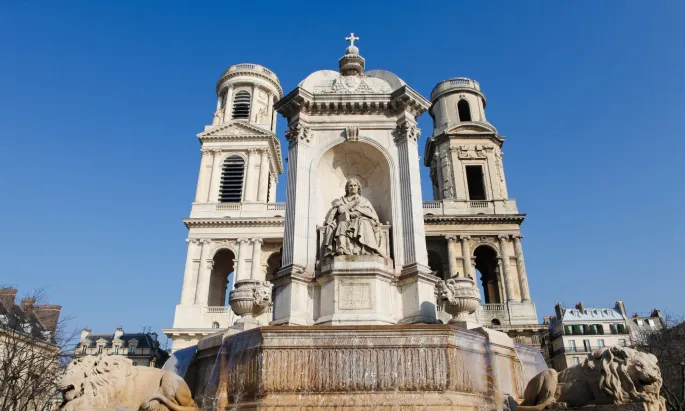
432 204
493 307
275 206
227 206
478 204
219 310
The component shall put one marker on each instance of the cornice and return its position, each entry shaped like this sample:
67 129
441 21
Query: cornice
402 99
240 73
474 219
233 222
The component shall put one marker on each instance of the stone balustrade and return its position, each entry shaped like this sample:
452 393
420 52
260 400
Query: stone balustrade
466 207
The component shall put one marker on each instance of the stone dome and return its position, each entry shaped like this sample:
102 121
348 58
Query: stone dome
333 82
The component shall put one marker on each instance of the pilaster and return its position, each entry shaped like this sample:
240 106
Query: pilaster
252 178
204 273
240 273
262 193
205 176
190 272
228 107
215 178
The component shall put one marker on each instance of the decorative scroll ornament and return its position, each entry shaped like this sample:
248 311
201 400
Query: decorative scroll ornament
352 133
466 152
297 133
407 132
459 297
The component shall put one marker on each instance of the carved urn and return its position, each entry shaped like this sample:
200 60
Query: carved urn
250 298
459 297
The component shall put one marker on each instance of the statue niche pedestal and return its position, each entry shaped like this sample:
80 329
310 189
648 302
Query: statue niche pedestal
356 290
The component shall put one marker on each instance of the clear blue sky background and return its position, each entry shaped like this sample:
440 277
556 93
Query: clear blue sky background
101 102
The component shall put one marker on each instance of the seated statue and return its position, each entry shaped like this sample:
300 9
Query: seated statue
352 226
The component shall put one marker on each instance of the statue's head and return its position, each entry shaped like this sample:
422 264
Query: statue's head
353 187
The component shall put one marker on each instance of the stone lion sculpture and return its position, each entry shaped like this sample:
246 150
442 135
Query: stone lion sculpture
262 294
613 375
95 382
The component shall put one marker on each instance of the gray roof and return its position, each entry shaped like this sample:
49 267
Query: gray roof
144 340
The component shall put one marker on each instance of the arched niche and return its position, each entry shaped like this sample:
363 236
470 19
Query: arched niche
220 277
354 159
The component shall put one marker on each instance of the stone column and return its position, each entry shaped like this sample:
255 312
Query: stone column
253 104
228 107
240 273
418 286
466 256
252 177
291 282
521 268
452 255
215 178
274 118
262 193
204 274
506 272
460 189
190 273
204 177
255 272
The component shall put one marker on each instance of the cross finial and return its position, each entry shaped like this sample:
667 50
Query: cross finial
351 39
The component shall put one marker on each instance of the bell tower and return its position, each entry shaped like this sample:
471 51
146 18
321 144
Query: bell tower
477 226
235 228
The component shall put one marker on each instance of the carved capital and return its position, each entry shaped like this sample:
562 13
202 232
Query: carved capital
243 240
503 237
464 237
257 240
206 152
451 238
407 132
517 236
253 151
296 133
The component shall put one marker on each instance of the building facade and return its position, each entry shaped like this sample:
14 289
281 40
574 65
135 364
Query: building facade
142 349
350 124
574 333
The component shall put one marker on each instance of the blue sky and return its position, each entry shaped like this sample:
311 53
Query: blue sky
101 102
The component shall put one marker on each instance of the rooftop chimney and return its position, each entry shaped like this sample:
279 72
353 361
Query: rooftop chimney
620 307
558 310
27 305
655 313
7 296
580 306
85 333
48 316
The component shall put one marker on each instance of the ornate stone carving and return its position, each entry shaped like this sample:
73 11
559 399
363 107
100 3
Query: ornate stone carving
612 375
218 115
106 382
352 133
459 297
352 226
489 241
355 296
296 133
476 151
407 132
500 172
250 298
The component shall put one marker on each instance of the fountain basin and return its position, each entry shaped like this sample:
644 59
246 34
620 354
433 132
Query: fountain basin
427 367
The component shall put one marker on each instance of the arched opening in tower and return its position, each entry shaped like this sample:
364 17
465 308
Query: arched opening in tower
221 278
464 110
488 269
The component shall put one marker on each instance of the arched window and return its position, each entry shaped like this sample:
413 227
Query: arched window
231 189
487 266
215 324
241 105
495 321
464 110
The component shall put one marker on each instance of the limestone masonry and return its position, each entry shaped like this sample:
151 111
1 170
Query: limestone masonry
333 254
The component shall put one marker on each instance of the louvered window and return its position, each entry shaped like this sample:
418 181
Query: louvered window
241 105
231 189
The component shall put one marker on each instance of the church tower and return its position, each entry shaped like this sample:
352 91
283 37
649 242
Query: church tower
473 227
235 228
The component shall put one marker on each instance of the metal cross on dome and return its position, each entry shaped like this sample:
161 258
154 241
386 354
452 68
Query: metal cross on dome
351 39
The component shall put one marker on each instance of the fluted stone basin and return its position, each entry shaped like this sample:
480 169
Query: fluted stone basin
427 367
